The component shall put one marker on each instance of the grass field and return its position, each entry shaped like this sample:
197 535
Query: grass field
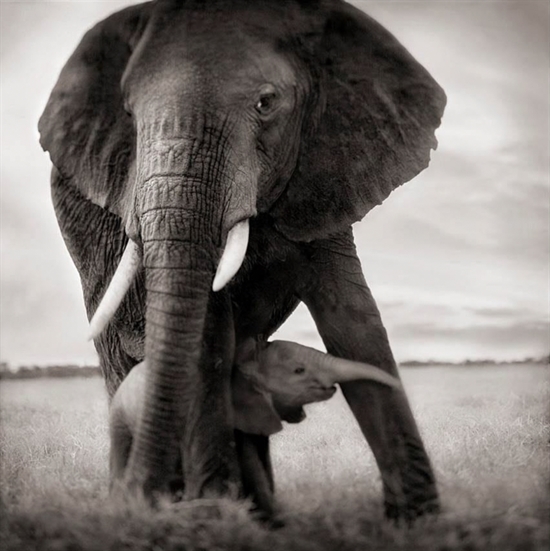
486 428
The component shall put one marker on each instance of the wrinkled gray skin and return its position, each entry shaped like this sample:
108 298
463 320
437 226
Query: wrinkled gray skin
176 119
268 385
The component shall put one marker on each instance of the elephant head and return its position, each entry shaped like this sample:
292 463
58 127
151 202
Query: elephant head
187 118
283 376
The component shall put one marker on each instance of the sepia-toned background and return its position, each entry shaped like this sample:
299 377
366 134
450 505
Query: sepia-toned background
458 259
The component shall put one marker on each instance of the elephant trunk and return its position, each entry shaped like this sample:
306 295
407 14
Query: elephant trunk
180 220
179 257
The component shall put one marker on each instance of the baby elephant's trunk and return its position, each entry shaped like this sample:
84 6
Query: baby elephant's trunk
338 370
325 368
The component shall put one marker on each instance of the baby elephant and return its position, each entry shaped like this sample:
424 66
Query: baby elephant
270 382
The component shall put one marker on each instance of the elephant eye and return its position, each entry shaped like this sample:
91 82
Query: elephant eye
267 100
265 103
300 370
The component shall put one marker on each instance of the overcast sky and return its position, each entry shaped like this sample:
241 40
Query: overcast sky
458 258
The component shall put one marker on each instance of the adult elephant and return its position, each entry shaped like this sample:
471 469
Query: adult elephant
196 128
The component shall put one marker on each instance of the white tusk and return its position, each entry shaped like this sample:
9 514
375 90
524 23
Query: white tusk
124 275
233 255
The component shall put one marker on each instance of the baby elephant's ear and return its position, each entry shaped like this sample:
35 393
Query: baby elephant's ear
371 131
246 351
254 412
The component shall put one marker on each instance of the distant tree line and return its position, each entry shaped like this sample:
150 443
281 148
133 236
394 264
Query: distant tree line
72 370
35 371
544 360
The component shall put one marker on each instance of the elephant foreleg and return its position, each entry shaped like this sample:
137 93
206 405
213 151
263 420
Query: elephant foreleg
210 463
351 327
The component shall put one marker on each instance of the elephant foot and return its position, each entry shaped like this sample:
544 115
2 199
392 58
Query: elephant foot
270 522
124 493
409 515
414 508
177 489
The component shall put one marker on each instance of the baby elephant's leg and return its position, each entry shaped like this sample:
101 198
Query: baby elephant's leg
121 444
257 474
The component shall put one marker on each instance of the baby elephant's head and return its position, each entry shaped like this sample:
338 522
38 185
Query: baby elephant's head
296 375
275 380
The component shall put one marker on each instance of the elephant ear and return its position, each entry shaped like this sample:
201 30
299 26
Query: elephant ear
84 127
252 405
371 130
290 414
